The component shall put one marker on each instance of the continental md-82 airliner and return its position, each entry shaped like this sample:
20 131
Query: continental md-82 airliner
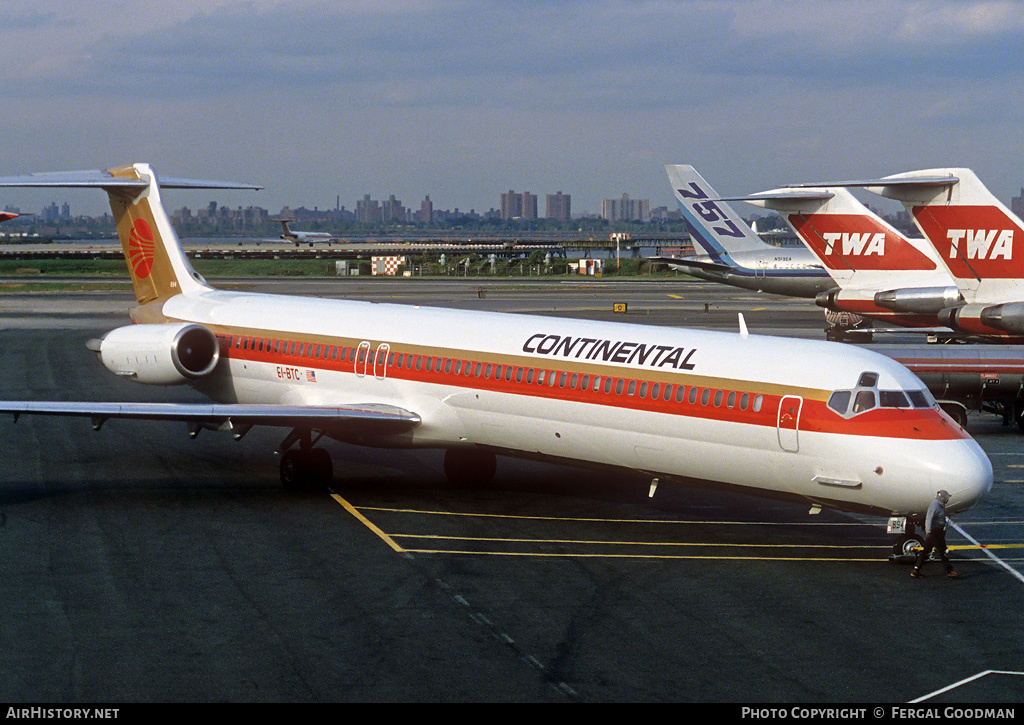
816 422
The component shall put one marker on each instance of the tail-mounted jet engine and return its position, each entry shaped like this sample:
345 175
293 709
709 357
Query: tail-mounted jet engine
920 300
984 319
1008 317
164 354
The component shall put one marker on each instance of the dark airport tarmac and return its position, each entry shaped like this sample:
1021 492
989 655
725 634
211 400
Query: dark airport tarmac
140 566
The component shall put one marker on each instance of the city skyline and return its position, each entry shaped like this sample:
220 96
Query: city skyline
558 206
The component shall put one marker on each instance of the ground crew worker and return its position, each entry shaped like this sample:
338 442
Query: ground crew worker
935 536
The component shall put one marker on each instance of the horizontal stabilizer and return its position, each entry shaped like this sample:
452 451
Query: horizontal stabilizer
787 194
685 262
104 180
893 181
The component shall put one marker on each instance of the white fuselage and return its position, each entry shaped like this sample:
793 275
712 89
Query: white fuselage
743 411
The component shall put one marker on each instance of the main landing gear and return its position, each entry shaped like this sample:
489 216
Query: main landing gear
306 466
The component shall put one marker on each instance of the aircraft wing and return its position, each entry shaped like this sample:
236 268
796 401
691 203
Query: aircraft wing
684 263
370 419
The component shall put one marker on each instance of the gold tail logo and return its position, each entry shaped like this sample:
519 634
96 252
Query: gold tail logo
141 248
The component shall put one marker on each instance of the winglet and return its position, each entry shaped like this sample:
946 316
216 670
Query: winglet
743 326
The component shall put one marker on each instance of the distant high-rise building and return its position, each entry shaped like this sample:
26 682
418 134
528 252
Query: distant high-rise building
368 210
511 205
626 209
426 211
559 207
518 206
529 205
1017 204
392 210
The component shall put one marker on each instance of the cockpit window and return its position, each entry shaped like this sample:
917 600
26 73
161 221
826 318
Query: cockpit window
893 399
920 398
866 397
840 401
867 380
865 400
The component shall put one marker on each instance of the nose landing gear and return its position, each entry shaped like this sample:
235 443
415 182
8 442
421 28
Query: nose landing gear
908 543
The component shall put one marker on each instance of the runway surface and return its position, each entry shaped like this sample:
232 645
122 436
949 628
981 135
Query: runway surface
140 566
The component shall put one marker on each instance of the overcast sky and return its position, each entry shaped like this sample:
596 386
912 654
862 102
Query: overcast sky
464 99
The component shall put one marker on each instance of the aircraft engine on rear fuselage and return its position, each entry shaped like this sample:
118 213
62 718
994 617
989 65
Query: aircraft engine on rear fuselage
920 300
983 319
1008 316
161 354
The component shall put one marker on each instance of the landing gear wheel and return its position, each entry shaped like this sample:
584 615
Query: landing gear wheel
466 467
311 469
908 545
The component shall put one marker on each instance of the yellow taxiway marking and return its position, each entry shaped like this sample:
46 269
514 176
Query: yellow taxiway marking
581 555
390 539
366 522
673 522
617 542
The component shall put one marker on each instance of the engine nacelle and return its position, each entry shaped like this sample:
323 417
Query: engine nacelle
968 318
919 300
1008 317
827 299
163 354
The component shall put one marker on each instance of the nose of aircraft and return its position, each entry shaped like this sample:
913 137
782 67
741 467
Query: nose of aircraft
966 476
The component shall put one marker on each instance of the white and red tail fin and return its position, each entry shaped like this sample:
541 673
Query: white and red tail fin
972 231
156 261
855 245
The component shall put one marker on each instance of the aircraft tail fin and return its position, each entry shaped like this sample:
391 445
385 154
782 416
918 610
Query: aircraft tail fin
713 224
156 261
846 236
972 231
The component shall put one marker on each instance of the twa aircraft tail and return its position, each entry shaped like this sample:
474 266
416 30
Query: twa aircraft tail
974 235
972 231
713 224
158 266
855 245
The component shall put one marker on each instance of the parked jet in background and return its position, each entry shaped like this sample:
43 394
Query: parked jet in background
303 237
734 254
879 272
974 235
820 423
